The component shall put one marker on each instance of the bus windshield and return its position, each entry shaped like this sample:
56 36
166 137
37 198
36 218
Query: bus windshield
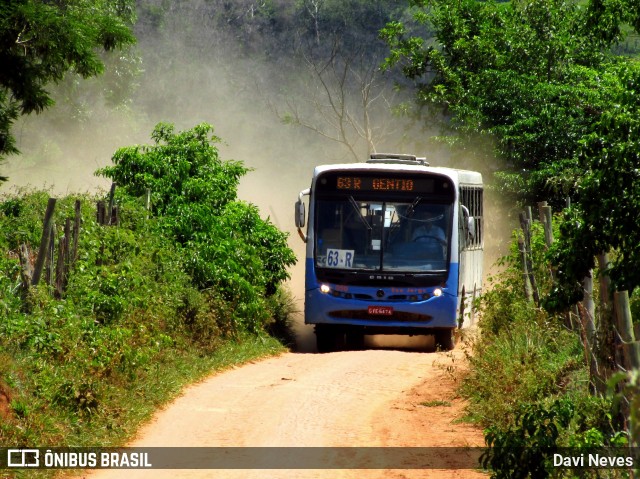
409 236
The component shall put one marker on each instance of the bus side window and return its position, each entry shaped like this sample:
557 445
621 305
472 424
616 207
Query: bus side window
471 217
467 227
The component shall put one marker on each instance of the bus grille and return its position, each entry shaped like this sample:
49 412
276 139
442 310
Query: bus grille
364 314
365 297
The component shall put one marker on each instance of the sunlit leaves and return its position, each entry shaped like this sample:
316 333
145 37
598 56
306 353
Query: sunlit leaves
41 41
224 242
538 77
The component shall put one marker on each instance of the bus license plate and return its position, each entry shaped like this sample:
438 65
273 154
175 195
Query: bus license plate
381 310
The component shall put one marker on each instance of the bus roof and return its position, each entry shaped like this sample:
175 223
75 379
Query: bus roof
459 176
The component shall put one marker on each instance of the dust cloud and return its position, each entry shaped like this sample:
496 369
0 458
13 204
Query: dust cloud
189 77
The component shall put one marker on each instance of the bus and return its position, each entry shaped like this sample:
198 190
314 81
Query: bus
393 246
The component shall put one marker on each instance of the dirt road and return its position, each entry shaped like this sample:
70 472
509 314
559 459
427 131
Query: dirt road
351 398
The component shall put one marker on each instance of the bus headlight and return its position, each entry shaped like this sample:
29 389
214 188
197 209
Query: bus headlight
437 292
324 288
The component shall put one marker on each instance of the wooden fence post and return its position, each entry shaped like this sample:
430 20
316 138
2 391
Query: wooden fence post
586 314
528 293
147 203
59 281
76 232
49 273
25 278
44 241
589 305
606 349
588 311
605 282
546 218
624 326
66 264
526 257
100 212
548 225
541 205
115 216
528 213
109 214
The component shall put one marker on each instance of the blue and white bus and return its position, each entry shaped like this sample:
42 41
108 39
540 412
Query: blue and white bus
394 246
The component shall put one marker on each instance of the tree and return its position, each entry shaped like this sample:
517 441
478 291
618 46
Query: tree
323 57
346 97
348 101
604 215
539 77
42 41
226 245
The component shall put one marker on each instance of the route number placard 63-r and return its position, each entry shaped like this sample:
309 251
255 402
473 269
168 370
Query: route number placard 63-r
340 258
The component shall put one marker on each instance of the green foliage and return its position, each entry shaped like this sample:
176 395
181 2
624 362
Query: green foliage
528 383
130 329
504 303
41 41
627 386
523 355
182 170
540 78
225 243
525 362
520 72
151 303
21 218
526 449
282 307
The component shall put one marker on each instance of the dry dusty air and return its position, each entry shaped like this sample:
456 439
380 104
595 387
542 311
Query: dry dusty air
393 393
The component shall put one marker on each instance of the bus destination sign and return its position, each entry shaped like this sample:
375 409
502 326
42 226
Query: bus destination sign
383 183
374 184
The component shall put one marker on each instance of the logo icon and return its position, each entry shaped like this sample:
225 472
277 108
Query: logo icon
23 458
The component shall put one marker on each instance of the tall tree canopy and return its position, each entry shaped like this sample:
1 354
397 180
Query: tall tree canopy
538 77
41 41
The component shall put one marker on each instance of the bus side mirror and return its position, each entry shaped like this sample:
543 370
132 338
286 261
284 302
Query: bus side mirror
468 226
299 214
471 228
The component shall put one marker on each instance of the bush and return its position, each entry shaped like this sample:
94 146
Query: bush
522 364
526 448
528 383
149 304
224 242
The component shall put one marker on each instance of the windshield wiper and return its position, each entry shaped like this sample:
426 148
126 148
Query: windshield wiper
413 206
407 215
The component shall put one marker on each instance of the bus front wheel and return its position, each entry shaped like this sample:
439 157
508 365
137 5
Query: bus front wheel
327 339
355 340
446 339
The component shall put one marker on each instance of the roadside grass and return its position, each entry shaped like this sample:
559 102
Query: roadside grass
522 355
133 407
528 362
436 403
119 407
123 407
528 383
130 332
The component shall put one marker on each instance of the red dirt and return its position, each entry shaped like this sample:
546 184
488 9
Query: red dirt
352 398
